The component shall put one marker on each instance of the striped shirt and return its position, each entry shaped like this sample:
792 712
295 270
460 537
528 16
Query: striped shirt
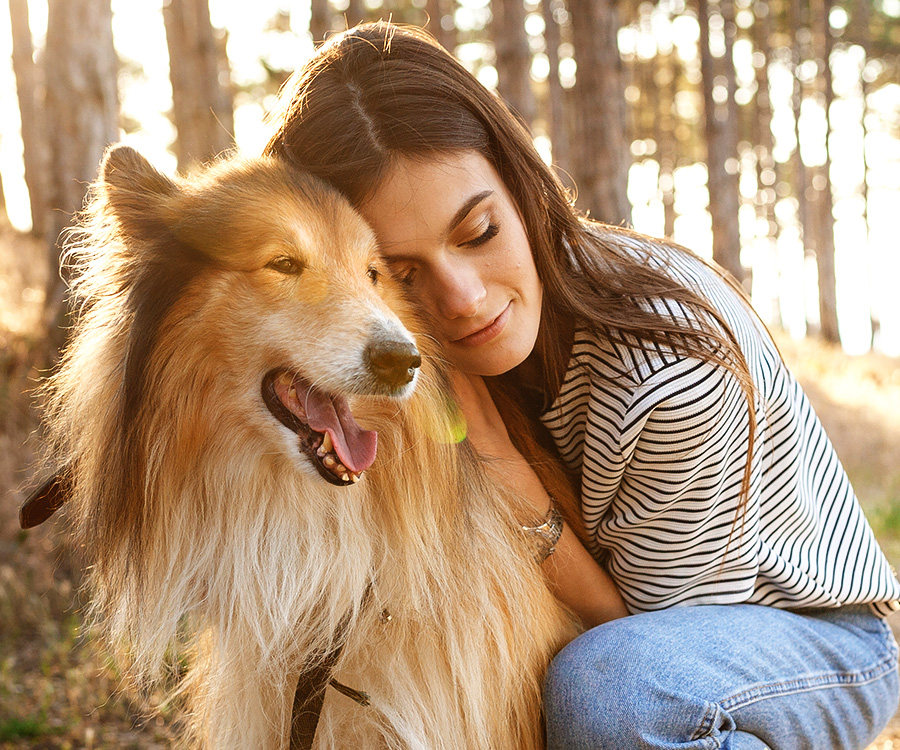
660 442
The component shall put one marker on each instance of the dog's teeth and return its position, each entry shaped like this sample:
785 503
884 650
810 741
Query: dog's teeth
345 477
320 451
327 445
340 469
354 477
329 461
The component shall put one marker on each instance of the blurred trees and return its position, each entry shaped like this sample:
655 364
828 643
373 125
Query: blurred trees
599 148
202 102
643 102
29 91
720 120
512 56
82 108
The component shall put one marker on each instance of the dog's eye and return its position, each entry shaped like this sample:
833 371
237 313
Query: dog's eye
286 265
373 274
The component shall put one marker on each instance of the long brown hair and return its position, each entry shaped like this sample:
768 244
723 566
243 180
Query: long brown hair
378 92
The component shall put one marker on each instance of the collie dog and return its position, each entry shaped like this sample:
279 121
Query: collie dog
237 354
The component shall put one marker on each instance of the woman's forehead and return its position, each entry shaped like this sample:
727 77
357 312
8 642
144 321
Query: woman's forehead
441 182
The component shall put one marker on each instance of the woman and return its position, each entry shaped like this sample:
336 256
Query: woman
712 509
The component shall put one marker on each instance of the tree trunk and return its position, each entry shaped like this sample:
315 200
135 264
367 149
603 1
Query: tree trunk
202 102
83 104
437 11
600 152
29 93
513 57
862 17
557 130
767 169
319 20
824 197
795 16
721 124
664 127
355 13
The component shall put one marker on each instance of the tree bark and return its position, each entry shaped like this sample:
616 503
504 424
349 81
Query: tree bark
319 20
600 150
437 10
761 130
202 102
721 125
355 13
513 57
664 73
82 102
795 17
34 137
862 17
824 195
556 113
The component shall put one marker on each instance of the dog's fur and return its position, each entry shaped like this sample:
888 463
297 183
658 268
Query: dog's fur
208 530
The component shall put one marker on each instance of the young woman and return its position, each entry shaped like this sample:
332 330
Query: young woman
709 507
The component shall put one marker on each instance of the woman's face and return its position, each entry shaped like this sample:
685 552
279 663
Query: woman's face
451 232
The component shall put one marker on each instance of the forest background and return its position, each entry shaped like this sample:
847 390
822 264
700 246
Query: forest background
762 133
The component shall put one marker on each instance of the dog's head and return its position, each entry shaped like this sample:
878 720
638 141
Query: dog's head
268 288
242 309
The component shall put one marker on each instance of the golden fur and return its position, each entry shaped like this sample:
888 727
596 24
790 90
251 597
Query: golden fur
208 531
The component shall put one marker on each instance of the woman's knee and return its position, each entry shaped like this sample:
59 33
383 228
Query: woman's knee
593 689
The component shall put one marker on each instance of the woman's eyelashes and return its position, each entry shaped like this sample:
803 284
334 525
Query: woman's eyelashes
490 231
406 275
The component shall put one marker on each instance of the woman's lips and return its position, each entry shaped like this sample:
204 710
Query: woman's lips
488 333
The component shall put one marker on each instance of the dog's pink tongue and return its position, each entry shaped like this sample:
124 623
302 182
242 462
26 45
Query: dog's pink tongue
353 445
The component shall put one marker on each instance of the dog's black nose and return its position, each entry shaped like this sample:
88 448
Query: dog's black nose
394 363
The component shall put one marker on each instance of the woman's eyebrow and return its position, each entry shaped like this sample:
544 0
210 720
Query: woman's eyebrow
466 207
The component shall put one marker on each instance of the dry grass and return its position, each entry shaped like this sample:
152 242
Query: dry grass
58 691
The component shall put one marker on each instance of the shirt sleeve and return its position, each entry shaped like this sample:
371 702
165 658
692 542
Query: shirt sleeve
668 525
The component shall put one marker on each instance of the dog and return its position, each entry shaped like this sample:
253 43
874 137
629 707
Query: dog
261 454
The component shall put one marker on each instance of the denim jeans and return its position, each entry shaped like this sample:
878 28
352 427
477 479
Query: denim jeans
741 677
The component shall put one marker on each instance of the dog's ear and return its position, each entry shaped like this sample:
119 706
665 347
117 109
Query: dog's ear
140 197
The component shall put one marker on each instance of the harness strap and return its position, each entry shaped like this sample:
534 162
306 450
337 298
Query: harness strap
312 683
308 700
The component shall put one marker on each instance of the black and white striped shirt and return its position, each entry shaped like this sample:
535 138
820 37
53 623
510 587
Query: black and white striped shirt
660 442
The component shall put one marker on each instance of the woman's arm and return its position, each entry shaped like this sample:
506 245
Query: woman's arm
576 579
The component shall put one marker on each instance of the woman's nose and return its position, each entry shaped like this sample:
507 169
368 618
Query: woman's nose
458 290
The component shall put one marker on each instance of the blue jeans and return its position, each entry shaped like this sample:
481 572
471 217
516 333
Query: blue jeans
740 677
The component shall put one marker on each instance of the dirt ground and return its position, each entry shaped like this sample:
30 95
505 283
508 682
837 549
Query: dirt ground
57 691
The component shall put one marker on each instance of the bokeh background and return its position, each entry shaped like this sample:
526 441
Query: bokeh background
762 133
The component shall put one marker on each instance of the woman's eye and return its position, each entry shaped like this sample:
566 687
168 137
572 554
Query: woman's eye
285 265
490 232
406 277
372 273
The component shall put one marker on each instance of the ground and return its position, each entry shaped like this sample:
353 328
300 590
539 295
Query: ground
58 691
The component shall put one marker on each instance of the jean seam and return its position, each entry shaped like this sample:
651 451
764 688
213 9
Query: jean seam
705 726
762 692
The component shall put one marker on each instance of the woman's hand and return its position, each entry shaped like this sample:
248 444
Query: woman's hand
575 577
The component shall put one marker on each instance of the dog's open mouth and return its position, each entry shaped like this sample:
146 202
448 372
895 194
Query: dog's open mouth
338 447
